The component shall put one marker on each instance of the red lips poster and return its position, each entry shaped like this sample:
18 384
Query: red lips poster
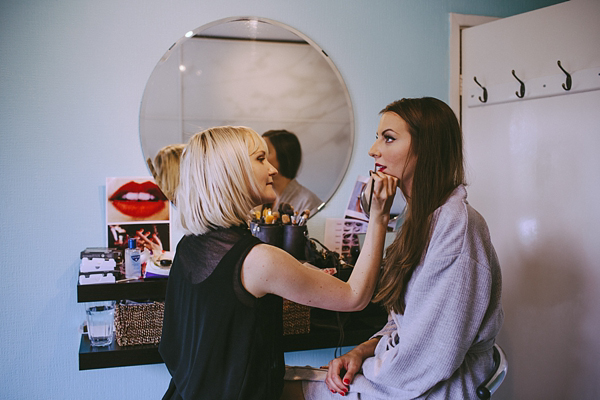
136 208
135 199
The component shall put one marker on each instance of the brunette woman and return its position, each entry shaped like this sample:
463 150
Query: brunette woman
285 154
441 281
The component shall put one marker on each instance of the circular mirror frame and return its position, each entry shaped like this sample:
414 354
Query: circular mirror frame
255 20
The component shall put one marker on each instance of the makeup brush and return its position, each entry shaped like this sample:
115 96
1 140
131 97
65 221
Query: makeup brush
371 195
304 217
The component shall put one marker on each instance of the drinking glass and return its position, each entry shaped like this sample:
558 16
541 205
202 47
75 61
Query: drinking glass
100 322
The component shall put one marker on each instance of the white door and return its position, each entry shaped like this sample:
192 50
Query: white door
534 171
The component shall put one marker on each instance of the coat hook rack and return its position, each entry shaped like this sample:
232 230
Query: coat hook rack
584 80
485 93
569 82
521 93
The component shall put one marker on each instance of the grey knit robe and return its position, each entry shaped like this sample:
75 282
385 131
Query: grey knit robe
441 348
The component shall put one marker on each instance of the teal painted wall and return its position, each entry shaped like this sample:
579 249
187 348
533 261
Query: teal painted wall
72 75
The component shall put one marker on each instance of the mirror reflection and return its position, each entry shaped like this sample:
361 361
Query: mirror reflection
257 73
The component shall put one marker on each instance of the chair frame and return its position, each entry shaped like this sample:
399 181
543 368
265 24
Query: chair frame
496 377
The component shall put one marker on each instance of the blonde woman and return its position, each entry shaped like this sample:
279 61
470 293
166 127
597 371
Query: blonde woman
222 330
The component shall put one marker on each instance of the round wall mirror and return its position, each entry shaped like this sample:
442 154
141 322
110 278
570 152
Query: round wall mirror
257 73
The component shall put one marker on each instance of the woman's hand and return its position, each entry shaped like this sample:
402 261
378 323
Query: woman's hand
152 242
342 370
384 188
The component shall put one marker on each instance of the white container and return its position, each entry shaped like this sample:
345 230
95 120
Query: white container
133 261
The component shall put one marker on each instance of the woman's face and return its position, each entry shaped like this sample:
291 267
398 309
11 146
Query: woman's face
272 157
392 151
263 172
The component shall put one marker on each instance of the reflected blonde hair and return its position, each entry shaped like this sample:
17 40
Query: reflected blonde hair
165 169
217 186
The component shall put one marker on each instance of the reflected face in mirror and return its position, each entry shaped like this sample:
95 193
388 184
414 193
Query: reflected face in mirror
257 73
286 154
272 157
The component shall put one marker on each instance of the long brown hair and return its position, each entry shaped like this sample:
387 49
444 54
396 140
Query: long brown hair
436 142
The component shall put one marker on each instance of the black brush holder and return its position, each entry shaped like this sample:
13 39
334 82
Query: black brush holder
294 240
270 234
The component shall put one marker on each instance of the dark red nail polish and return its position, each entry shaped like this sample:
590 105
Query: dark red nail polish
332 391
346 382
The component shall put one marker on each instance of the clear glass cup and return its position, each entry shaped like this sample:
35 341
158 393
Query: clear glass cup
100 322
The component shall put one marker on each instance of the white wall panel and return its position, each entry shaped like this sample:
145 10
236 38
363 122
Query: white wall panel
534 169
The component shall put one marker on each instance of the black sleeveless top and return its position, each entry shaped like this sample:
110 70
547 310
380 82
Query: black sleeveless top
218 340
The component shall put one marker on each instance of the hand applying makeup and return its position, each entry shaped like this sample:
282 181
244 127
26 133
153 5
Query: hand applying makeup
382 192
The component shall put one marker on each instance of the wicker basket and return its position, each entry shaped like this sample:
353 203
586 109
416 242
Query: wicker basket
139 323
296 318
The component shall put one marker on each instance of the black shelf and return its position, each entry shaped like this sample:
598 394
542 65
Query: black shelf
325 339
118 356
140 289
115 355
324 331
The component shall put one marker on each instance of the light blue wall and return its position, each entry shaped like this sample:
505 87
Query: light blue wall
72 74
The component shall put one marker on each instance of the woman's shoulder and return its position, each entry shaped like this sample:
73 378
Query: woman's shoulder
213 244
230 235
457 227
300 197
450 220
457 214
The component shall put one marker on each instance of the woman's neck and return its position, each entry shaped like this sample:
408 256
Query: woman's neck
280 182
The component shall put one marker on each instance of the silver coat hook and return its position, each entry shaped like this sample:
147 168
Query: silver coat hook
521 93
569 81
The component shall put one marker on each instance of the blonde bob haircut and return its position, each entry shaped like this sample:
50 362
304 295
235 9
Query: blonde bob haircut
217 186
